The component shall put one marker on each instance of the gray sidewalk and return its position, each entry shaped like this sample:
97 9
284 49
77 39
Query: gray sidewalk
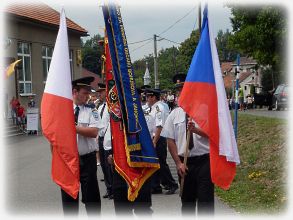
29 189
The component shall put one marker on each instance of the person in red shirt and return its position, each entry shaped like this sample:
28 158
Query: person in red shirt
20 116
13 103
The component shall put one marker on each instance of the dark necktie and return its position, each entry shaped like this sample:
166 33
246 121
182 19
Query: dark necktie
76 113
102 111
191 144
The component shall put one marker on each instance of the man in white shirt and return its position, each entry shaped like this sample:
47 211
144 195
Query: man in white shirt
104 153
170 100
198 189
87 127
156 121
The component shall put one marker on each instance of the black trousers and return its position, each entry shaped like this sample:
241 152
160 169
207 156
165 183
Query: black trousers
163 175
108 172
141 205
104 165
89 188
198 189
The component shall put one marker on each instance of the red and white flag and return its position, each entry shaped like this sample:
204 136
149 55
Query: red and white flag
57 116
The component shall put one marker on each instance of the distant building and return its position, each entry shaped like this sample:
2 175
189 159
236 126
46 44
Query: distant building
249 75
30 35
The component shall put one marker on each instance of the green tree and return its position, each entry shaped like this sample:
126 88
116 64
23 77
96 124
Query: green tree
226 54
91 53
186 51
260 32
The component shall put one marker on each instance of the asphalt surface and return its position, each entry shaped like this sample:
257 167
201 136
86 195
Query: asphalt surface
284 114
29 190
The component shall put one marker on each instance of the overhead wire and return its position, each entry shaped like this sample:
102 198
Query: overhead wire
164 31
140 41
167 29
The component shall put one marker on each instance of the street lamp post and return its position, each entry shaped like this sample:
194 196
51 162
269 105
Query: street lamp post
236 96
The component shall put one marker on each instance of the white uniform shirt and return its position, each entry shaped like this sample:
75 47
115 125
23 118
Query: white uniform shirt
175 128
105 119
157 117
86 119
170 98
146 111
107 144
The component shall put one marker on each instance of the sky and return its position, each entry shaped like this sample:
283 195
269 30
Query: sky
144 19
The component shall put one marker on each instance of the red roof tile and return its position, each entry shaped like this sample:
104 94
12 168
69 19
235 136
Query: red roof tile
42 13
226 66
246 60
228 80
244 75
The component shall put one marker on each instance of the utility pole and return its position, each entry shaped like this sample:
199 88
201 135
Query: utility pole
199 18
236 96
157 84
174 61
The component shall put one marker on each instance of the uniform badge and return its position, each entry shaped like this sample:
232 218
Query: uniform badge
95 114
158 109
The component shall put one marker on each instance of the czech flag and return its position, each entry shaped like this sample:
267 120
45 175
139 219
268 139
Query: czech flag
203 98
58 117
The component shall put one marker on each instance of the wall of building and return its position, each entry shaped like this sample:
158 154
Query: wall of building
37 35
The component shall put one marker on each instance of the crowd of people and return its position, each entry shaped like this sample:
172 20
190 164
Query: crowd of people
168 125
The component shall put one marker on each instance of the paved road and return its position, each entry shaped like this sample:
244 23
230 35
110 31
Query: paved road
271 114
30 190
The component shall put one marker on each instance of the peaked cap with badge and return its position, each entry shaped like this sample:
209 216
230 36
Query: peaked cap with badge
150 91
179 80
142 89
101 87
83 82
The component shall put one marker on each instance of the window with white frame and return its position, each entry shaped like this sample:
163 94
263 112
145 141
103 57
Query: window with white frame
24 73
71 62
46 59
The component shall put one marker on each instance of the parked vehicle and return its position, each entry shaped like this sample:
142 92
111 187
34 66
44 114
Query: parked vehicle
280 97
262 99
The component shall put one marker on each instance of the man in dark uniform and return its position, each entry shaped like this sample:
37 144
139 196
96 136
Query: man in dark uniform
198 189
142 204
156 120
104 153
87 127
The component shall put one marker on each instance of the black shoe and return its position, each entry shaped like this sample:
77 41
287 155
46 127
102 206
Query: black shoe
172 190
157 191
166 187
106 195
111 196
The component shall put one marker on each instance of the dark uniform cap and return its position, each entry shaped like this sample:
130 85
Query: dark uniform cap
145 87
101 87
142 88
84 81
179 80
139 90
150 91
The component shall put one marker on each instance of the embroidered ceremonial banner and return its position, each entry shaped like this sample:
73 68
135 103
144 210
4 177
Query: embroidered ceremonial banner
134 154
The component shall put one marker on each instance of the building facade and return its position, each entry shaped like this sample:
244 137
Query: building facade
249 76
30 35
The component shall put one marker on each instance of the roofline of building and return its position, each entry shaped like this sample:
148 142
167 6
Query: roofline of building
43 24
